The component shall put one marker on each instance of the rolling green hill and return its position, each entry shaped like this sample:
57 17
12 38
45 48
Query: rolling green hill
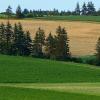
31 70
26 78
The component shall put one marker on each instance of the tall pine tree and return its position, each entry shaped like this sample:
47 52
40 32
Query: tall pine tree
39 41
2 38
62 47
84 9
8 37
19 13
51 47
9 11
91 9
77 9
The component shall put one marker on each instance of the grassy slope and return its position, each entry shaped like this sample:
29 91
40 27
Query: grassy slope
33 94
72 18
21 69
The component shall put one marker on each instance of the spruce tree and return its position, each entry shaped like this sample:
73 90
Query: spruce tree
26 11
16 40
2 39
19 12
8 37
21 40
84 9
62 47
9 11
51 47
91 9
77 9
39 41
28 44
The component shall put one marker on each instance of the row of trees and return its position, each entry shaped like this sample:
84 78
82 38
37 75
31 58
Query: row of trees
34 13
86 9
16 41
54 47
13 40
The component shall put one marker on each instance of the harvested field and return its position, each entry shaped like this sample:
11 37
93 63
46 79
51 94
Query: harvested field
83 36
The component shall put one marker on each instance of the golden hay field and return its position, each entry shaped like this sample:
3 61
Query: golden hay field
83 36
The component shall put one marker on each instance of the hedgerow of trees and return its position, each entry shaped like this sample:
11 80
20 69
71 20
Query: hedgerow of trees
15 41
85 9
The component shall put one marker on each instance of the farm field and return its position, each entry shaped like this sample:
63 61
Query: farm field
72 18
83 88
11 93
83 35
25 78
31 70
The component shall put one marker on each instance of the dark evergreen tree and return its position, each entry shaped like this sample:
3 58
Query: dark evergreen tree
16 40
9 12
84 9
39 42
28 44
51 47
62 47
91 9
26 11
77 9
20 40
8 37
19 13
2 38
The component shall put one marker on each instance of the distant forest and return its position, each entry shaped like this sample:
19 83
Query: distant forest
87 9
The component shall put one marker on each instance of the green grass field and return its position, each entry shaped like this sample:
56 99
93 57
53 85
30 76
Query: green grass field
62 18
31 70
26 78
72 18
10 93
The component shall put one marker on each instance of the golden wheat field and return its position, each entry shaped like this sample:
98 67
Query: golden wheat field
83 36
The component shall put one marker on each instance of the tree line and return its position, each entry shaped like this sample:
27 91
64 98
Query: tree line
15 41
85 9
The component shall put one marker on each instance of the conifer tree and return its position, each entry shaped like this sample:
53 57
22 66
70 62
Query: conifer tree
62 47
16 40
2 39
21 40
28 44
9 11
19 12
77 9
8 37
91 9
84 9
39 41
51 47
